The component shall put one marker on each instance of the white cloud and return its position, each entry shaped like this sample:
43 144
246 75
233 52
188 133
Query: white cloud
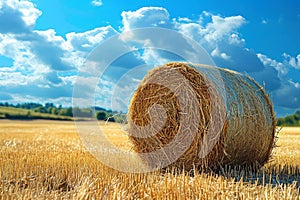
264 21
211 29
216 53
86 41
9 79
295 84
280 67
39 56
220 37
97 3
288 95
235 39
30 13
152 57
145 17
78 45
17 16
25 61
184 19
292 61
192 29
45 63
220 27
50 36
167 40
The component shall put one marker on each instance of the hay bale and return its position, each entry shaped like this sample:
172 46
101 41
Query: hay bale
188 116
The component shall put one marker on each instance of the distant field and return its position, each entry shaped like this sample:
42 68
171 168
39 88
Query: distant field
45 159
19 113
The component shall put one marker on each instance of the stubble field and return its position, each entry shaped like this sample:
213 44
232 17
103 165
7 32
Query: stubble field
46 160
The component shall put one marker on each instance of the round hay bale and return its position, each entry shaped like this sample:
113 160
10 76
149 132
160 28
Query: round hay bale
196 116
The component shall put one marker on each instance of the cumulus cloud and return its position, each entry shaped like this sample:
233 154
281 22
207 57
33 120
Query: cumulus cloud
86 41
218 35
221 39
48 48
45 64
79 45
159 42
268 77
279 66
97 3
292 61
42 60
222 26
36 54
145 17
53 77
19 52
17 16
288 95
264 21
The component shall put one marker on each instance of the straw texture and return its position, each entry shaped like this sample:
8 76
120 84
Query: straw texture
195 116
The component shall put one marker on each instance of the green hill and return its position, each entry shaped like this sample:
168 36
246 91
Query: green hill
31 110
21 113
291 120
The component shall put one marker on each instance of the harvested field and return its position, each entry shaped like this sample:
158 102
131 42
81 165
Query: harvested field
46 159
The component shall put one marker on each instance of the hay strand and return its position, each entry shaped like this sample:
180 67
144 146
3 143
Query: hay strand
195 116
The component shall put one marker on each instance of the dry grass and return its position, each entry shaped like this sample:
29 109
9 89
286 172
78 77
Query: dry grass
288 150
46 160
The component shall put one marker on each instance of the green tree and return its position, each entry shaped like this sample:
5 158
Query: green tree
41 109
69 112
66 112
101 115
53 111
291 120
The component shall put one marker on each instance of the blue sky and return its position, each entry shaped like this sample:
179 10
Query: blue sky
43 44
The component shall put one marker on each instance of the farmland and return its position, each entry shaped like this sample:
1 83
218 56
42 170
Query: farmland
46 159
19 113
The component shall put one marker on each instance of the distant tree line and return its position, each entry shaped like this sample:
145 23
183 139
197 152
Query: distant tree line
107 115
50 108
291 120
